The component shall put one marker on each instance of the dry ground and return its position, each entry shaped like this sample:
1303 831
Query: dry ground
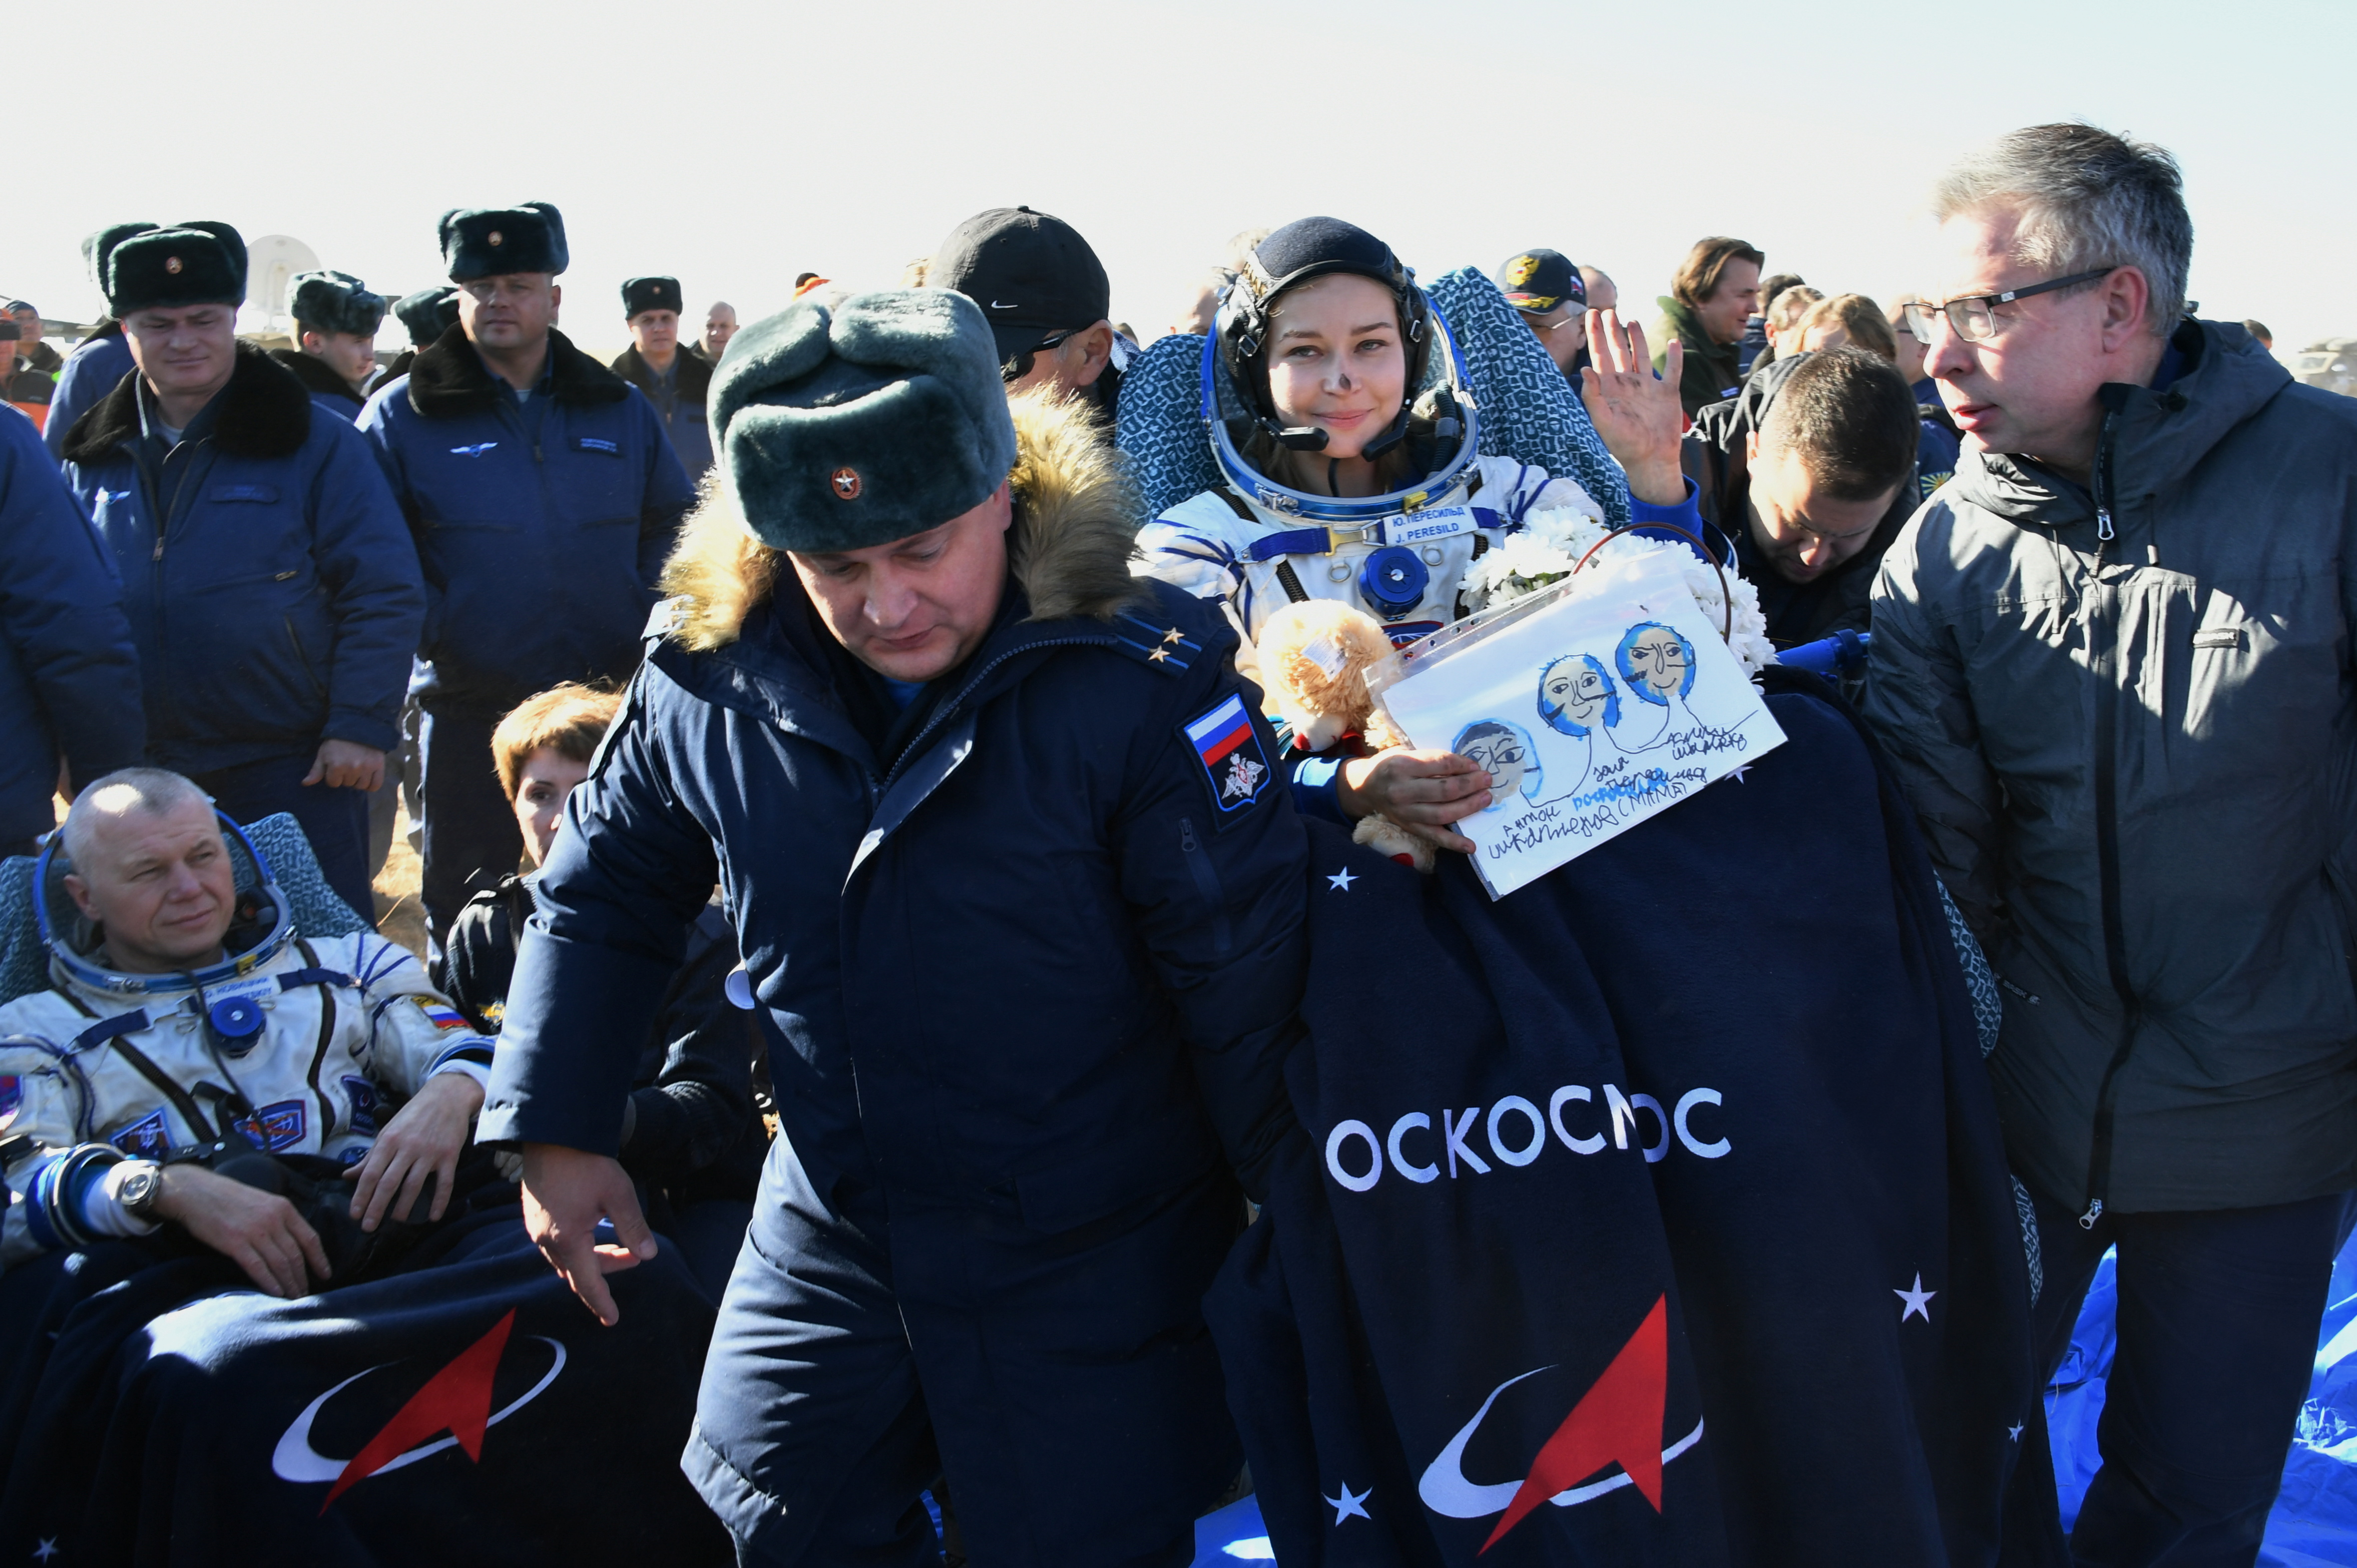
399 915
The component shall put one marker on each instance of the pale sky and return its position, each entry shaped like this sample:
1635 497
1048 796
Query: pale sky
735 143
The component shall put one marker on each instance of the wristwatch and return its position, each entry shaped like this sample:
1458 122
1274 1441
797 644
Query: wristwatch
139 1191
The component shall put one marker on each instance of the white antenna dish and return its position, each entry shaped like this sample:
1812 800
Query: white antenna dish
271 264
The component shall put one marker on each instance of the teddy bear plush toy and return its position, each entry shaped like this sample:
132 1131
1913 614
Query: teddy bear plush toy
1314 658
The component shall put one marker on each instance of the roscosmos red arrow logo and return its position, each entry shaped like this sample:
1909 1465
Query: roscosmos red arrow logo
1618 1422
457 1400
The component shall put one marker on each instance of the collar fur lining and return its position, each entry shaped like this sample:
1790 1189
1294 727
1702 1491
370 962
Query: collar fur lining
265 412
314 374
447 379
1076 516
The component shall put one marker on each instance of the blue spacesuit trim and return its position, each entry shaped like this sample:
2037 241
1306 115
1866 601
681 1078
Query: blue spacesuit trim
53 1198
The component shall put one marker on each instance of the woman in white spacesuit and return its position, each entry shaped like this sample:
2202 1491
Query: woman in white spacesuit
1337 412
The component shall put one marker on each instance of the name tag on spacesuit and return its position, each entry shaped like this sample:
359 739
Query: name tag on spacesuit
1423 527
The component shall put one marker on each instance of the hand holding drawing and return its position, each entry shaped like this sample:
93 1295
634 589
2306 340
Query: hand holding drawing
1636 413
1423 792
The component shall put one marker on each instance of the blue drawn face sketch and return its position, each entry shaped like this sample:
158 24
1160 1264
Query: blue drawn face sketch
1575 694
1655 662
1504 752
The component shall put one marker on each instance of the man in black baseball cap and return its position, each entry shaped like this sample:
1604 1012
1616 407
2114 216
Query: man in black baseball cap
1044 293
1547 289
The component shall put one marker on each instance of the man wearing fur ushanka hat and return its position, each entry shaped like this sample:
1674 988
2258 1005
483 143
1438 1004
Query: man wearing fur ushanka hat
1017 891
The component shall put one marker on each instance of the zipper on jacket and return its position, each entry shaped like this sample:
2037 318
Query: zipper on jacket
1207 882
2107 849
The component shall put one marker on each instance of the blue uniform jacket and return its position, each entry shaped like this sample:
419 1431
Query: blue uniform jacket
327 389
542 524
90 373
68 673
270 584
1046 964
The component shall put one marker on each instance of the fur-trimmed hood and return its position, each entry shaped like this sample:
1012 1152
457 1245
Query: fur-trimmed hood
1076 521
317 375
448 379
262 412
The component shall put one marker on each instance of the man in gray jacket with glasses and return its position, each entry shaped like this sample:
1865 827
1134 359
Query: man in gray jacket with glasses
2113 661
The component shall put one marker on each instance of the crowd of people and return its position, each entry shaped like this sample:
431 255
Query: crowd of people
854 853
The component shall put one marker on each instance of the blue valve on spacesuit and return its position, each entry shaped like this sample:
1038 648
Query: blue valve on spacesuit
1393 581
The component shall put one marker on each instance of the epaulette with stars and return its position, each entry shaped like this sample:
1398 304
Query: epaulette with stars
1164 647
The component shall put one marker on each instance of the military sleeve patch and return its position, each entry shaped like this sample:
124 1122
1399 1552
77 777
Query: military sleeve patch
147 1138
1228 748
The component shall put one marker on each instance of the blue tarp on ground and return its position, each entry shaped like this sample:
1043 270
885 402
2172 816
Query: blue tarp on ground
2315 1521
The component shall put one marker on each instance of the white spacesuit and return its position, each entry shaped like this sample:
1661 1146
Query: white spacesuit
290 1045
1257 543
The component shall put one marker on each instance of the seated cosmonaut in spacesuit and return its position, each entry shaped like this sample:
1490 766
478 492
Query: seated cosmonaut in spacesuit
199 1065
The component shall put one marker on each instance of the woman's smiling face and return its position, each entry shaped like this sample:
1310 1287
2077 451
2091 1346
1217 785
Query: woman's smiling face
1336 360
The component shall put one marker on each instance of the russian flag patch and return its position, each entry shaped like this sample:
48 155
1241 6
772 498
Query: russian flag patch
442 1017
1229 747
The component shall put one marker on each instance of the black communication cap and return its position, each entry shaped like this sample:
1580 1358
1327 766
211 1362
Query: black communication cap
1031 273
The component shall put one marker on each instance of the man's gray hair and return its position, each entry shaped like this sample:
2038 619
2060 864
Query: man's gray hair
150 791
2087 199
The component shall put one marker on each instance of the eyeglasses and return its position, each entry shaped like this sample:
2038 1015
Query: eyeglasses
1538 324
1015 369
1973 315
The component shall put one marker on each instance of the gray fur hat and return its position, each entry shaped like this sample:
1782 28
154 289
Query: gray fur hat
486 242
843 428
334 302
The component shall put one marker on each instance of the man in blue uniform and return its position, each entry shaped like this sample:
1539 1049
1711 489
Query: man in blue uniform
68 672
99 360
270 583
1012 874
673 380
336 318
543 496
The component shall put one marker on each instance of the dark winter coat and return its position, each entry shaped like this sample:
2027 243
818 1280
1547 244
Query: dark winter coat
329 389
2129 719
1713 369
1036 976
541 523
679 399
68 672
1713 456
269 581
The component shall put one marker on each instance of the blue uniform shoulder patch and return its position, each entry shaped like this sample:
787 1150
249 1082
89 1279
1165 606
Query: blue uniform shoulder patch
147 1138
1228 747
1166 648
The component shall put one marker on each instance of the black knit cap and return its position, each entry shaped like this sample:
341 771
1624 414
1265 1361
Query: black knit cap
649 293
427 314
189 264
